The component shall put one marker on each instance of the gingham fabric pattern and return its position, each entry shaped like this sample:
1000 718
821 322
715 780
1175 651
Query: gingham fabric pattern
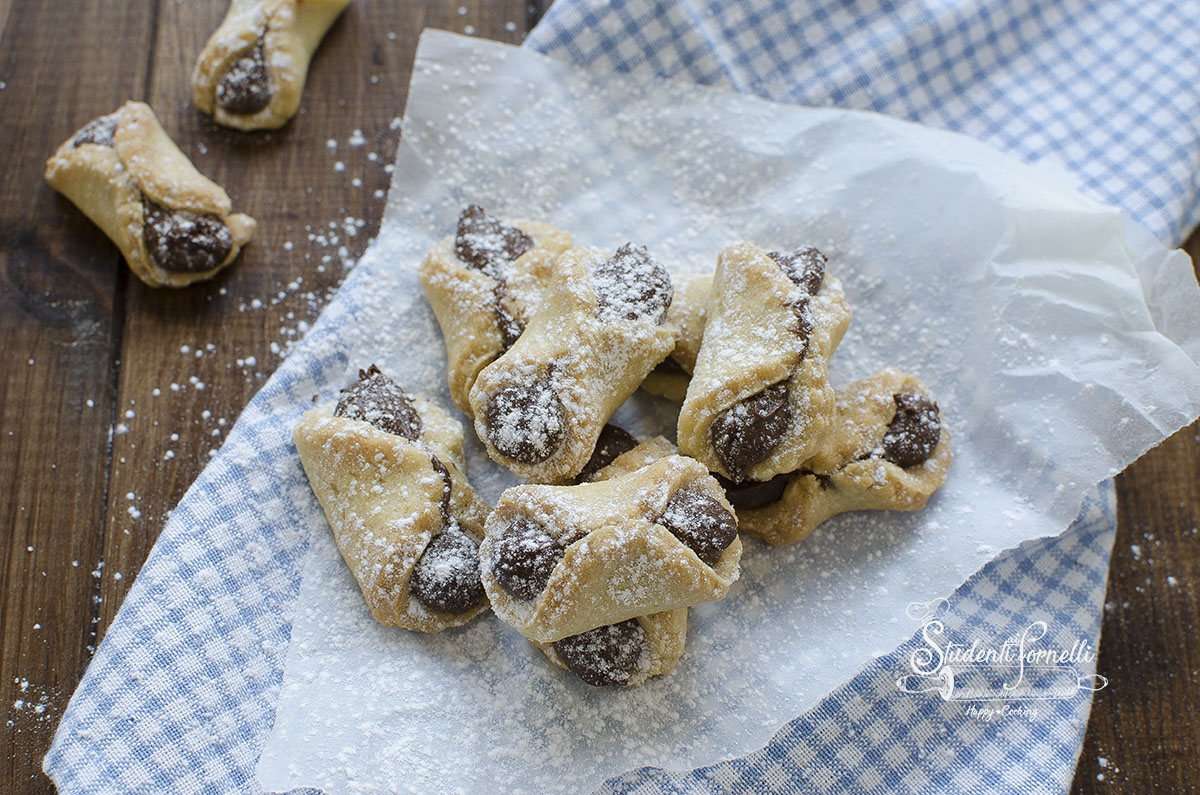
180 696
1107 91
869 737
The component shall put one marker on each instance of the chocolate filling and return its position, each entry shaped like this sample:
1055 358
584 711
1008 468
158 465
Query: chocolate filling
803 327
751 494
632 285
671 366
488 244
612 442
245 88
447 486
101 131
510 326
446 577
746 432
379 400
526 423
604 655
700 521
806 268
184 242
524 557
914 431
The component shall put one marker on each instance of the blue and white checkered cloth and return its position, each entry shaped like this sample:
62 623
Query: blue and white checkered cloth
180 696
1107 91
869 737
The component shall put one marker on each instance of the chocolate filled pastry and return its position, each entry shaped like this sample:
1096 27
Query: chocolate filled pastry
688 312
560 561
626 653
173 225
888 451
484 284
387 468
759 402
251 73
640 456
632 651
614 442
600 329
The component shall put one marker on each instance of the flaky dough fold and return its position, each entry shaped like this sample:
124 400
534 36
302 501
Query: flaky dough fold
110 181
382 495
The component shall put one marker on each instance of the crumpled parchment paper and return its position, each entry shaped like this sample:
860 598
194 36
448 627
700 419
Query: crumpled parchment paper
1060 341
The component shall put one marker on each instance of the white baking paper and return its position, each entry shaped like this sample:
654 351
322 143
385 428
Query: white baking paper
1059 340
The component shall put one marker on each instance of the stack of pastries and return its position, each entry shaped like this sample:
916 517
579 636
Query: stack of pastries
597 558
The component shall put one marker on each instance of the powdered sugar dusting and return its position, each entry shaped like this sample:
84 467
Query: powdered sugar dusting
686 171
534 420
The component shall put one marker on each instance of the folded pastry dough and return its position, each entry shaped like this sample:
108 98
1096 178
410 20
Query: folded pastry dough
637 457
626 655
558 561
600 329
688 312
484 283
613 442
251 73
173 225
888 451
388 471
759 402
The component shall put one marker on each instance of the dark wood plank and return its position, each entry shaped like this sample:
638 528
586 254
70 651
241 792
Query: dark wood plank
62 63
537 9
1145 725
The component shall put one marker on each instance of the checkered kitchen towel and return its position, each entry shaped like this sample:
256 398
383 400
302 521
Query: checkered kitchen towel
1107 91
870 737
180 699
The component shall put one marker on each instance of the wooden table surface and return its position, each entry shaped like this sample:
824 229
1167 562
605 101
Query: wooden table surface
113 395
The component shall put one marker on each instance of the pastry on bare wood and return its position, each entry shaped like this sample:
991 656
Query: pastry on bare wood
173 225
251 73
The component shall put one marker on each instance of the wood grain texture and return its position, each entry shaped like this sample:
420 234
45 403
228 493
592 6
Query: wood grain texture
97 334
317 205
62 284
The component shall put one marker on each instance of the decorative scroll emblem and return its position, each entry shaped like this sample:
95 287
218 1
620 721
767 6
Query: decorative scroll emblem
1018 670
